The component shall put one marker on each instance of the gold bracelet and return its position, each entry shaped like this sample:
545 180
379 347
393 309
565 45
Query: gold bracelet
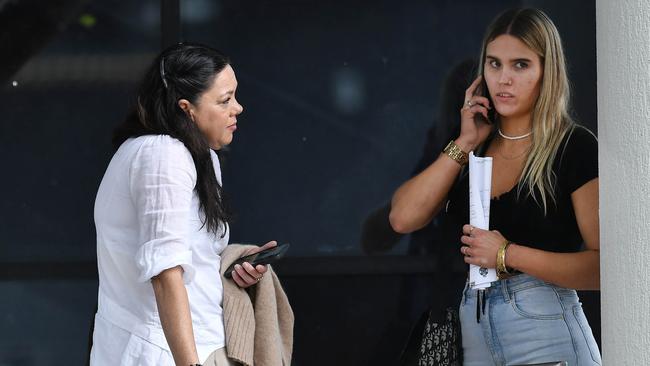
502 270
456 153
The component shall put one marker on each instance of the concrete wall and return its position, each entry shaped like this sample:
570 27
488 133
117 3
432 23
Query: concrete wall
624 131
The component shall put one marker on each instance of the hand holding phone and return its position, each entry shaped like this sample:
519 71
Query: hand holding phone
482 91
477 116
263 257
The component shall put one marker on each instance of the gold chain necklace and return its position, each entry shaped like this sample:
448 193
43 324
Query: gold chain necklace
526 151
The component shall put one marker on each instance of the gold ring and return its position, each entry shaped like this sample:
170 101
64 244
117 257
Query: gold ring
470 230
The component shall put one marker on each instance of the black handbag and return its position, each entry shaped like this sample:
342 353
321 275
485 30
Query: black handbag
435 340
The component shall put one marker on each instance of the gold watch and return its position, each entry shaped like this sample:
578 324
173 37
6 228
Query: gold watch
456 153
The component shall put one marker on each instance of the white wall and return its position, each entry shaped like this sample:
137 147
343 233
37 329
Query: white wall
623 43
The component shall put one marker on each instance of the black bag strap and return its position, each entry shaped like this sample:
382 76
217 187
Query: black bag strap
411 352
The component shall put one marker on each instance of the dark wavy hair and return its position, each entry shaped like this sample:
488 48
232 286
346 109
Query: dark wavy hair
182 71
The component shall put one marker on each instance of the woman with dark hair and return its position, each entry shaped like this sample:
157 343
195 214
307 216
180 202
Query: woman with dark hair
161 218
544 201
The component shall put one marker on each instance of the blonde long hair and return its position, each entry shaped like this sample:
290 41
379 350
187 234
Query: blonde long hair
551 121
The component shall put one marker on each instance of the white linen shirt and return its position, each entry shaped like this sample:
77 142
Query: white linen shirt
148 219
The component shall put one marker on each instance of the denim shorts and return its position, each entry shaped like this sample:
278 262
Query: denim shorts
523 320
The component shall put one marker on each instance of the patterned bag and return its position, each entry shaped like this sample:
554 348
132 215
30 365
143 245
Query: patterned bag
435 341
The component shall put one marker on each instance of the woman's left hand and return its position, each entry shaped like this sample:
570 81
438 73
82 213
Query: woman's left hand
480 246
245 275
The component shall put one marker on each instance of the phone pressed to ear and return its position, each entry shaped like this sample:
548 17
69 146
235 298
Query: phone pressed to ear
482 90
264 257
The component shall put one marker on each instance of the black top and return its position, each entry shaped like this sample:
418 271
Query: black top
522 220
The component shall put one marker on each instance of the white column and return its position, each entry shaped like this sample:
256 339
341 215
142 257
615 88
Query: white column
623 43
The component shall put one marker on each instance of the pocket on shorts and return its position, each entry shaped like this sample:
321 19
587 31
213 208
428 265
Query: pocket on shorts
539 302
590 342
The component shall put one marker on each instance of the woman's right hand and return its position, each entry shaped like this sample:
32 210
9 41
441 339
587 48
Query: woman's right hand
473 131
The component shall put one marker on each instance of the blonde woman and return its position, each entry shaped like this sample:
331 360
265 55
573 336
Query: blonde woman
544 208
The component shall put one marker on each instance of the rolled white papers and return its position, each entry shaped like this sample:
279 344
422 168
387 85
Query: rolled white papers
480 186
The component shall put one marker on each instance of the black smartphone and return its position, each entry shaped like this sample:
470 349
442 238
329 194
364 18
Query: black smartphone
267 256
482 90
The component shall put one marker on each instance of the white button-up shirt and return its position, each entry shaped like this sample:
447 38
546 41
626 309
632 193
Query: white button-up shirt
148 219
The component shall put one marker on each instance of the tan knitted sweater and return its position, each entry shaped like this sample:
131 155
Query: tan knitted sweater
258 321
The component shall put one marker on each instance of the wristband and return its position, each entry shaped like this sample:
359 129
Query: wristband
456 153
502 270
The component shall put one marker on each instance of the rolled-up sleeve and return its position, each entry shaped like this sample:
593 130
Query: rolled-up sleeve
162 180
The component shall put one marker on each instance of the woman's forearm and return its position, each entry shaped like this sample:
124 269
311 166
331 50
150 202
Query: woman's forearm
418 200
580 271
175 317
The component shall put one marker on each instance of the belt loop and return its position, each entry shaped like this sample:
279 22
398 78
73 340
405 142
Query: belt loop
463 300
504 288
466 291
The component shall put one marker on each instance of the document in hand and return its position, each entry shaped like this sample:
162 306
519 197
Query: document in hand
480 187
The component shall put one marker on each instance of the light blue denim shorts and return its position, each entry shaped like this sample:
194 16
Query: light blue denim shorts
523 320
